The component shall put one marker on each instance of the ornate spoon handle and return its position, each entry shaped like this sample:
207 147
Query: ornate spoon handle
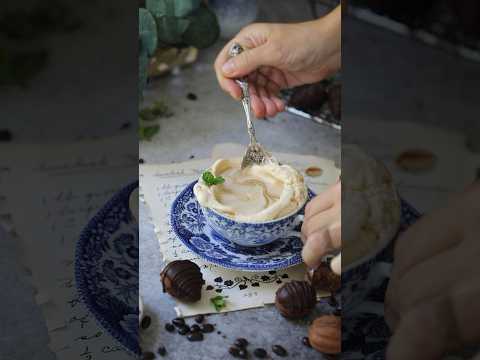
234 51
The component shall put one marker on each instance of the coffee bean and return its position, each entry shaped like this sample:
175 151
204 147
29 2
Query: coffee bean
169 327
148 355
196 336
183 330
178 322
141 161
233 351
191 96
207 328
260 353
241 343
279 350
194 328
161 350
306 342
146 321
243 354
199 319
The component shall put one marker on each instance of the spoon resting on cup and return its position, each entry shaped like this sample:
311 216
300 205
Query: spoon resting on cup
255 153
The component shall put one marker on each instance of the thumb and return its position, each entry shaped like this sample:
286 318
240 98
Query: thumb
245 62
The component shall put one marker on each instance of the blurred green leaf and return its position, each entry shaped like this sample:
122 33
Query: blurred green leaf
147 30
203 30
147 132
218 302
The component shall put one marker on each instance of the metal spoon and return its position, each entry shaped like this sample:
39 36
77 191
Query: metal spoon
255 153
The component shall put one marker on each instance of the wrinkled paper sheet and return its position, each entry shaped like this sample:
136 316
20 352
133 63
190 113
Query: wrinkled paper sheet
64 192
159 186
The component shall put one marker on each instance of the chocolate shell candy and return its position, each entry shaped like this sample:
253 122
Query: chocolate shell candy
325 334
295 299
309 97
324 279
183 280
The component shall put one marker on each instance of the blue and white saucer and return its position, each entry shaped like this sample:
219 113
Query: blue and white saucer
190 226
106 269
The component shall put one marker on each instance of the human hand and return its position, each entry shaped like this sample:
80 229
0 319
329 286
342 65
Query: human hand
432 299
321 229
279 56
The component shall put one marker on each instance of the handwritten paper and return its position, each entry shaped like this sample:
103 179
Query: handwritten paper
160 184
64 190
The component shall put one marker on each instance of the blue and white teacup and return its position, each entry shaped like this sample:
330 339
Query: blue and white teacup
252 234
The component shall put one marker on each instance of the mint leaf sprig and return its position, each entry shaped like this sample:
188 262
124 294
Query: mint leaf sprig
218 302
211 179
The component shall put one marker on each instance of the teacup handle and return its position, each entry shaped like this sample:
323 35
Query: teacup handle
298 220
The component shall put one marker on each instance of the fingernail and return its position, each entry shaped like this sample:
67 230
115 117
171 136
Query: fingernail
228 67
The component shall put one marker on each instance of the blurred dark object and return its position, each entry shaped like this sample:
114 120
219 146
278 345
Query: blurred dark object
17 68
321 100
335 100
20 58
5 135
454 21
46 17
309 98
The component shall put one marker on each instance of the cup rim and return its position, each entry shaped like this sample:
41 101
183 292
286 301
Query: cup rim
295 212
381 246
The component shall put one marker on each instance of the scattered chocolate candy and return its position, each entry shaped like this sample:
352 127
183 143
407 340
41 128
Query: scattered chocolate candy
146 321
260 353
306 342
195 336
313 171
199 319
295 299
169 327
194 328
279 350
416 160
178 322
184 330
162 351
148 355
207 328
324 279
241 343
309 97
191 96
325 334
243 354
233 351
183 280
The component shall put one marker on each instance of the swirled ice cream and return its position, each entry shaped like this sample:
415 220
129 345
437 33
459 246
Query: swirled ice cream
255 194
